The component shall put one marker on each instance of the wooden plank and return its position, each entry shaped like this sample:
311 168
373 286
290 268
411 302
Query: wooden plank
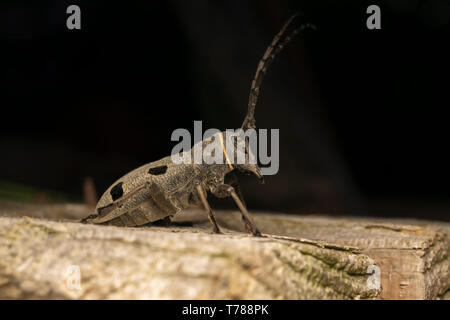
301 257
413 255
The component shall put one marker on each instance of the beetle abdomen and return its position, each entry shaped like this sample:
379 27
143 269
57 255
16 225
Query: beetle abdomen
147 194
147 203
143 214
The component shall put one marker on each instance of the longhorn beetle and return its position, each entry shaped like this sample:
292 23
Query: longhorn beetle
160 189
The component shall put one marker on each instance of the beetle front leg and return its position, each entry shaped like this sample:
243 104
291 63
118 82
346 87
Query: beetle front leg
211 216
232 180
225 189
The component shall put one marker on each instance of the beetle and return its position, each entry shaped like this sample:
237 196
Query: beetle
160 189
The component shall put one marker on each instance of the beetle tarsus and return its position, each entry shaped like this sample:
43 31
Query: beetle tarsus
85 220
216 230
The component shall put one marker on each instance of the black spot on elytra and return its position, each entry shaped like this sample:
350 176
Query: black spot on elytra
116 191
157 170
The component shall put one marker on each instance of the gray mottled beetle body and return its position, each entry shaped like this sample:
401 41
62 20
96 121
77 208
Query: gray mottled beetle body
161 189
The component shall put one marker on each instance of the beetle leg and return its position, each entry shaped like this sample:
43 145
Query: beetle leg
211 216
227 190
245 215
233 181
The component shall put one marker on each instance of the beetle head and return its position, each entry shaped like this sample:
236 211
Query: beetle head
244 150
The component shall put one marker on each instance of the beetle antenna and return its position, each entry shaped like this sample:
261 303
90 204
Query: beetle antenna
278 43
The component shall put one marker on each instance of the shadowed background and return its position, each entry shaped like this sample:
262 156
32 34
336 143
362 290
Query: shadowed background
362 113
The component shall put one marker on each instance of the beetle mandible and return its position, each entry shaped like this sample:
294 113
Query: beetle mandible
162 188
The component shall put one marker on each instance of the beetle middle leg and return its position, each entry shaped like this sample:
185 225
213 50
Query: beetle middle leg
211 216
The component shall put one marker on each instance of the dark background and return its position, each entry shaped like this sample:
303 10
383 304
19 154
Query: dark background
362 113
